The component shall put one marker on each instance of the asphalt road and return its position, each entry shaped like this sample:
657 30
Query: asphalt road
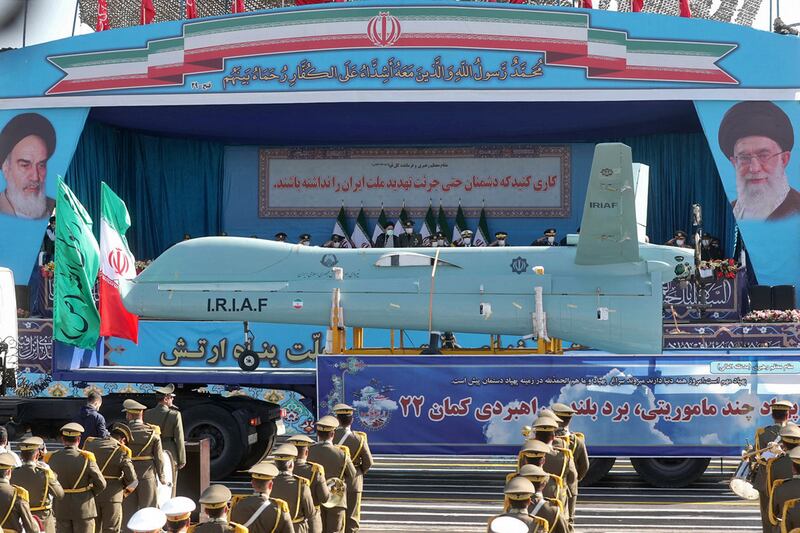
459 494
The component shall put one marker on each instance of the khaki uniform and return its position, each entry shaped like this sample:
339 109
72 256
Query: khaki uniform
295 491
171 424
536 524
784 491
218 526
335 460
559 463
273 518
14 506
315 474
576 444
552 511
762 438
146 457
791 517
361 456
115 464
42 486
81 480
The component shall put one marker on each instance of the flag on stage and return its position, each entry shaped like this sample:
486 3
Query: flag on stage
586 4
340 228
441 222
360 237
686 11
402 218
77 258
102 16
482 235
637 5
428 227
237 6
460 225
191 9
147 13
379 225
117 262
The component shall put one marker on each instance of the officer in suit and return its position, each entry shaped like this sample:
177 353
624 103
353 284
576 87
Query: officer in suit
356 442
548 239
387 239
409 238
280 237
147 520
339 470
215 504
679 240
179 513
260 512
518 491
575 443
81 480
789 489
533 453
500 239
466 239
549 509
16 514
315 474
763 438
114 459
559 461
780 466
167 417
146 455
40 482
304 240
294 490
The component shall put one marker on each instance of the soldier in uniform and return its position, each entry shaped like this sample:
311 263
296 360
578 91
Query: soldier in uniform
788 489
315 474
40 482
167 417
519 491
438 240
280 237
147 520
336 241
16 515
533 453
548 239
259 512
356 442
341 473
550 510
779 467
215 504
81 480
146 455
294 490
409 238
762 440
114 459
575 443
466 239
559 461
500 239
679 240
304 240
179 513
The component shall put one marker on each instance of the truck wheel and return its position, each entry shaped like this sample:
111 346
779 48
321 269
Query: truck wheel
248 360
215 424
598 468
670 472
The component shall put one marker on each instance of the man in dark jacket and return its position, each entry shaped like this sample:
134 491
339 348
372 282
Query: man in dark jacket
93 422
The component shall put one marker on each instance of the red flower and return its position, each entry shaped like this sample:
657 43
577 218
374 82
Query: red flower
730 262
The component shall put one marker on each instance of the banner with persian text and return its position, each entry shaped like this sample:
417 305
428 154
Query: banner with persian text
509 181
693 405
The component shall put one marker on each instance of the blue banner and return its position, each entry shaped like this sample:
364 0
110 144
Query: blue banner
695 405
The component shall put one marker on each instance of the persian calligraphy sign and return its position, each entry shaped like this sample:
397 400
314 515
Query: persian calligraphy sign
509 181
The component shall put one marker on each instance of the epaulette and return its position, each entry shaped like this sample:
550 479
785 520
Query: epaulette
156 429
558 503
510 476
50 474
88 455
22 493
47 457
317 468
565 451
360 434
281 504
543 522
127 451
238 528
344 448
580 435
302 480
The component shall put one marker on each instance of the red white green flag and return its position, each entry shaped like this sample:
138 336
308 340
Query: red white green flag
117 263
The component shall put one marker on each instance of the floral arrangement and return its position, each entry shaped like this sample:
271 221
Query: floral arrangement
773 315
48 270
720 268
141 265
22 313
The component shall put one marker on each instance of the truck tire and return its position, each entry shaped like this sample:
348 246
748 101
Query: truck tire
217 425
670 472
598 468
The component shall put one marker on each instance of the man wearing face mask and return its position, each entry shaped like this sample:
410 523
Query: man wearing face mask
678 240
337 241
466 239
387 239
409 239
710 248
305 240
500 239
549 238
438 240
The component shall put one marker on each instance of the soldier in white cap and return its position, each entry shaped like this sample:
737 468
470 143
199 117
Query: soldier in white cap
315 474
339 470
147 520
39 480
576 443
518 492
167 417
81 479
764 438
361 456
215 504
549 509
146 455
16 514
259 512
294 490
179 514
533 453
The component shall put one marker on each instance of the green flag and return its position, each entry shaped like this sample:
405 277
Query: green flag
461 224
428 230
482 235
360 237
441 223
77 258
379 225
402 218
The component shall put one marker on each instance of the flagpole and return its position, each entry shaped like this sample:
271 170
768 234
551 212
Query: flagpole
75 17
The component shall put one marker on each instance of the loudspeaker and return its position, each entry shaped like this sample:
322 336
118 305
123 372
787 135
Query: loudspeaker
760 297
783 297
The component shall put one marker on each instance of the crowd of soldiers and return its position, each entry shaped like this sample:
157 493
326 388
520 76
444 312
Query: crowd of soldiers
109 484
540 495
775 463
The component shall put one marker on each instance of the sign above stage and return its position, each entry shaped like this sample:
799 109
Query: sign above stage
509 181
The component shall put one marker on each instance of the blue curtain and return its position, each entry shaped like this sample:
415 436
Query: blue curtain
171 186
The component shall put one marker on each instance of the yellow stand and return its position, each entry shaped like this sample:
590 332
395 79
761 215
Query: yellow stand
551 347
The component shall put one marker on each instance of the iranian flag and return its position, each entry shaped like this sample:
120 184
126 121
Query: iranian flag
460 225
340 228
402 218
482 235
379 225
117 263
441 222
360 237
428 227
